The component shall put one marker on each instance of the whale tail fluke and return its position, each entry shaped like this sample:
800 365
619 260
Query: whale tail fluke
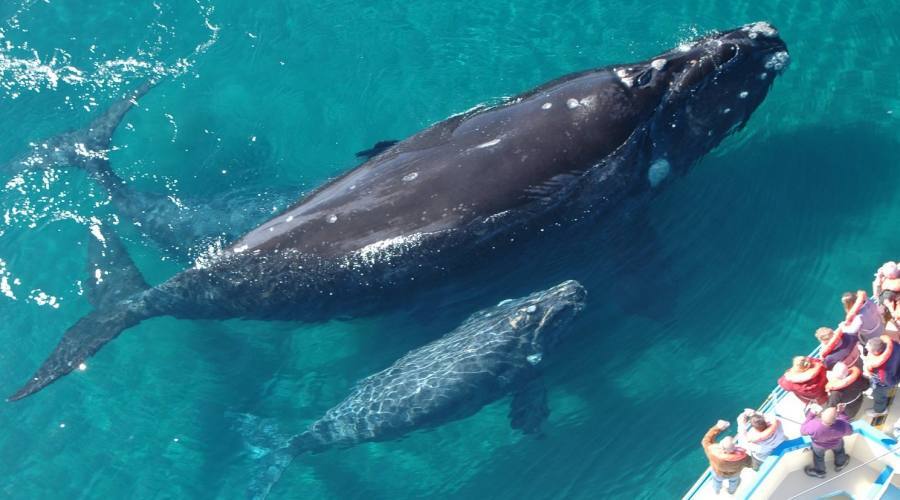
114 289
271 451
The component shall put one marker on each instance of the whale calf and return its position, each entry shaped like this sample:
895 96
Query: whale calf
496 352
472 188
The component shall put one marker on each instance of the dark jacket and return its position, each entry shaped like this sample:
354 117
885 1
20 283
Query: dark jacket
848 393
844 348
885 368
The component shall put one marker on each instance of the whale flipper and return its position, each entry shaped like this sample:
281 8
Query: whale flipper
378 148
529 408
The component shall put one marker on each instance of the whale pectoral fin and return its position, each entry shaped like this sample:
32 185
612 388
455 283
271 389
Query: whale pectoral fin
378 148
112 274
529 408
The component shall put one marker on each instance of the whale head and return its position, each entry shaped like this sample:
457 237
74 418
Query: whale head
703 90
542 317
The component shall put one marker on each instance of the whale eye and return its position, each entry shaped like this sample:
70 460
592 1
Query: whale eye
644 78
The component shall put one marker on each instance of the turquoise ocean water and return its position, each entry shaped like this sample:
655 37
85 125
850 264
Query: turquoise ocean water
696 304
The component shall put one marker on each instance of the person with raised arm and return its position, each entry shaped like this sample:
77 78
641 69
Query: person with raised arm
726 459
758 435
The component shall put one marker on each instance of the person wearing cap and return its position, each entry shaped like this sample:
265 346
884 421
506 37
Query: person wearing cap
882 364
758 435
826 430
839 345
725 458
806 379
859 305
846 386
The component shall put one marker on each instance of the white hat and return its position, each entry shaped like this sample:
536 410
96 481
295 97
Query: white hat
889 270
853 327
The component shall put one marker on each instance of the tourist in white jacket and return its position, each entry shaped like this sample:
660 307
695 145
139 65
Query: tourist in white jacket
758 435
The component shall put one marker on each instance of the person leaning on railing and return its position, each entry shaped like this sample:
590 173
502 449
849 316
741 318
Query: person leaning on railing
839 345
725 458
806 379
882 366
846 386
758 435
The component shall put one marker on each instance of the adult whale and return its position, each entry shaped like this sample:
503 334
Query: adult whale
466 189
496 352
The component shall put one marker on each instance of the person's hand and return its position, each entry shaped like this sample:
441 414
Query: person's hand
815 408
840 407
722 424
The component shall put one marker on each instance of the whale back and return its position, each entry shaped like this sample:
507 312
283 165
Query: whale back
468 167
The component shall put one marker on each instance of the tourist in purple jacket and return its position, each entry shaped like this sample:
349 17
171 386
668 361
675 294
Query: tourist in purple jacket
826 430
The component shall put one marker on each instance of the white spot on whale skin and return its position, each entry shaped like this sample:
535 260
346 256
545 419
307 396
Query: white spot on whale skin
532 308
82 367
685 47
242 248
572 103
726 111
743 94
778 61
535 358
488 144
547 105
658 64
658 172
504 302
410 176
332 219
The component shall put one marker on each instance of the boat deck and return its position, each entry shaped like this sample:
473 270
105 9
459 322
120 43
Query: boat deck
870 474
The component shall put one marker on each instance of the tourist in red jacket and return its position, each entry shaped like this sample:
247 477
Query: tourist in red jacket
806 379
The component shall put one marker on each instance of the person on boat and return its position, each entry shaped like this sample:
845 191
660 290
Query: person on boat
890 307
826 430
725 458
846 386
888 271
882 365
758 435
859 305
839 345
806 379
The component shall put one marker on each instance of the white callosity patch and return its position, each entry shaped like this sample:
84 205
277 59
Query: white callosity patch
547 105
658 171
332 219
410 176
535 358
778 61
743 94
761 28
658 64
488 144
624 76
572 103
